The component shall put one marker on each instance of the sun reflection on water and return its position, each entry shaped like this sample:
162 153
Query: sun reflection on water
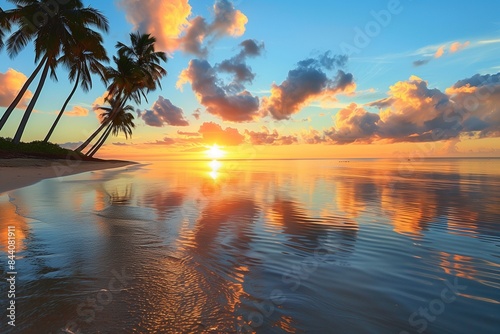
214 166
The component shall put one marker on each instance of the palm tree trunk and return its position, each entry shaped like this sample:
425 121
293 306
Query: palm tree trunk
101 141
63 108
92 136
29 109
103 125
21 93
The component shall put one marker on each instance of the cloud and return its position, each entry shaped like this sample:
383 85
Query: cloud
266 137
251 48
478 80
192 41
477 101
169 22
313 136
421 62
306 83
227 21
229 102
71 145
439 53
354 124
164 112
456 46
188 134
213 133
197 113
166 20
77 111
237 65
166 141
196 149
450 146
287 140
11 83
98 103
413 112
179 141
489 41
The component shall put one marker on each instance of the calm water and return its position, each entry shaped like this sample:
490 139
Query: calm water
365 246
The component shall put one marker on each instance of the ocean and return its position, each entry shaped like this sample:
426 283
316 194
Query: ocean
266 246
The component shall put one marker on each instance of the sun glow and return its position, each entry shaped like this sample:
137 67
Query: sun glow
214 152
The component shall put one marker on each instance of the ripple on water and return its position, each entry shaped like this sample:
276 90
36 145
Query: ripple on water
282 247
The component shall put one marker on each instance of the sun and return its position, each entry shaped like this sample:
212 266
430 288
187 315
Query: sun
214 152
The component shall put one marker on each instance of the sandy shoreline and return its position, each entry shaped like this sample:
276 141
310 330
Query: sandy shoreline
19 173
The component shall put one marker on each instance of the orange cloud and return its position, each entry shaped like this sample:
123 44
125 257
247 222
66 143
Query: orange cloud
214 134
77 112
414 112
354 125
313 136
266 137
11 83
463 89
166 20
439 53
455 47
228 20
169 22
98 102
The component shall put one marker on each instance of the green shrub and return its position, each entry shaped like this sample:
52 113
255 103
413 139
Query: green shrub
35 147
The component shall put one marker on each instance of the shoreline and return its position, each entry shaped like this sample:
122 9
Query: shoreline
22 172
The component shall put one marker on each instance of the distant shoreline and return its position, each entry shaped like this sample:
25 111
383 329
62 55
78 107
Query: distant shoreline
22 172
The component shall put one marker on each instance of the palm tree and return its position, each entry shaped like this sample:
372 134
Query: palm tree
137 72
122 121
4 26
54 36
6 20
143 53
123 86
83 59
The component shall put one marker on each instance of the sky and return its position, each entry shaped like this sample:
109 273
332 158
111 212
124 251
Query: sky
292 79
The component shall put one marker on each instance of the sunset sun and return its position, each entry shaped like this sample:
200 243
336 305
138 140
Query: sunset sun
214 152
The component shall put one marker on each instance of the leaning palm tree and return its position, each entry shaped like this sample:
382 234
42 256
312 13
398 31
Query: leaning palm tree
7 19
137 72
122 122
53 36
123 87
143 53
82 60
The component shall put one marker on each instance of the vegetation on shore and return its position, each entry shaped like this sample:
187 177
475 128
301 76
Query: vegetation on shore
38 149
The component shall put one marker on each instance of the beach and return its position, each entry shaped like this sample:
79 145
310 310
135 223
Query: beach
19 173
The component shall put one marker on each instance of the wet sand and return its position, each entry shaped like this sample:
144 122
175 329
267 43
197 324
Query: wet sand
19 173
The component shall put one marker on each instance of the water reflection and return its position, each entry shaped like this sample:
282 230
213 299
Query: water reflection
214 168
207 246
9 217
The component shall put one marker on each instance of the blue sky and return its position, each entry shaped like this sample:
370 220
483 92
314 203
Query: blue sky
291 32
